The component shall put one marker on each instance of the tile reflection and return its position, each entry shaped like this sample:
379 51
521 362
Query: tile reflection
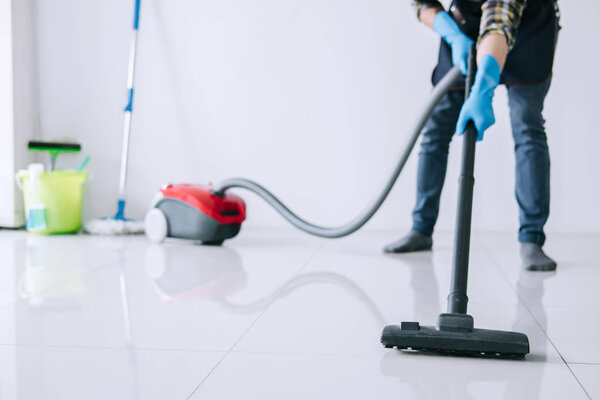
217 273
433 377
425 288
530 289
44 269
181 273
309 279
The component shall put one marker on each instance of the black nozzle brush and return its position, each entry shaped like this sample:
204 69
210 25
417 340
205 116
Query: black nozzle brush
449 339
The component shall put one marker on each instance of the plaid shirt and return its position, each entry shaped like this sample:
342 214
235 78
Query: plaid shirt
498 16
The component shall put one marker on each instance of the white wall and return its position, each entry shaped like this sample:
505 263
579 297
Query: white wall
6 115
310 97
18 102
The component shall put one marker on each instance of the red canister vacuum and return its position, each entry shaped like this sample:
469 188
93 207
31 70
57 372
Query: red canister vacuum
194 212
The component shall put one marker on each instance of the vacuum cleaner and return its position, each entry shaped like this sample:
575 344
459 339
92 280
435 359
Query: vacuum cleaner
194 212
211 214
455 332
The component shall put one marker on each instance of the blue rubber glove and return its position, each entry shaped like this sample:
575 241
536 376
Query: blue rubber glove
460 43
478 107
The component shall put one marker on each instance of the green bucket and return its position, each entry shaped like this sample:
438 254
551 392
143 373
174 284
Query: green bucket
62 194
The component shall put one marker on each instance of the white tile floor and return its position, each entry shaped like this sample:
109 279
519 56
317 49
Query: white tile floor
281 315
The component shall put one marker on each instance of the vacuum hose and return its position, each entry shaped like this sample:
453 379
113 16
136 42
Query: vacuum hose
344 230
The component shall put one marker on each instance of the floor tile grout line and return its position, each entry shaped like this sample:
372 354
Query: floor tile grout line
207 376
84 347
521 302
506 278
571 307
230 350
305 354
374 356
584 363
310 259
207 351
578 381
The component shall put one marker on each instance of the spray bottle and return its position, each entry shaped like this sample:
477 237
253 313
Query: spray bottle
36 209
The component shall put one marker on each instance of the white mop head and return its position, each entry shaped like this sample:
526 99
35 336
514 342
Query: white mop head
112 226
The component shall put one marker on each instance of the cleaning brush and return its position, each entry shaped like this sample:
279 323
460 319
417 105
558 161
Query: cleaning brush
54 148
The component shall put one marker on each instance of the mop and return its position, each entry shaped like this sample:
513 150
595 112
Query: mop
119 225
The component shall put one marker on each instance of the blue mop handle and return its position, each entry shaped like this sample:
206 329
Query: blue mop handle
128 109
136 15
136 24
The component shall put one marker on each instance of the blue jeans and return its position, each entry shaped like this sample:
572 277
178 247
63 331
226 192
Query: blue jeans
531 152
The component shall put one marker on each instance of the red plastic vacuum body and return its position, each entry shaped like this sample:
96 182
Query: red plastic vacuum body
193 212
230 209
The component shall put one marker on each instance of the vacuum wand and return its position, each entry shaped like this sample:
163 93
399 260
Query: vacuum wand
454 332
457 299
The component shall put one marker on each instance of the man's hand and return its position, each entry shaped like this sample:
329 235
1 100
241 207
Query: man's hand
460 43
478 107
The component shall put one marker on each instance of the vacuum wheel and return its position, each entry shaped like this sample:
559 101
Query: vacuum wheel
156 226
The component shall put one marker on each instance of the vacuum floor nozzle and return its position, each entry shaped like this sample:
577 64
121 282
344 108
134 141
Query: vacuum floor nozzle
455 335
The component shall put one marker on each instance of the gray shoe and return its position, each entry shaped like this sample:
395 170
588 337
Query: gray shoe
534 258
413 241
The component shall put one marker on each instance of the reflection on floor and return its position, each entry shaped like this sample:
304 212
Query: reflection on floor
281 315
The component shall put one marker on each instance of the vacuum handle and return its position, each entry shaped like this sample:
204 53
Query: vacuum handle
457 299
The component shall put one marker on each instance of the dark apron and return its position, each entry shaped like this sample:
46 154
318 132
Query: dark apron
531 58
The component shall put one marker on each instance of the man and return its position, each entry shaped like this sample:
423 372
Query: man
516 42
